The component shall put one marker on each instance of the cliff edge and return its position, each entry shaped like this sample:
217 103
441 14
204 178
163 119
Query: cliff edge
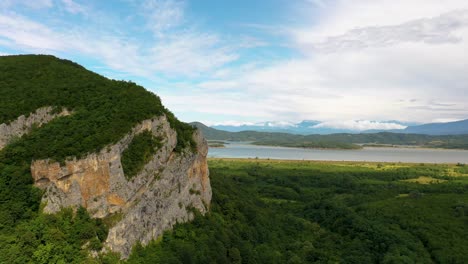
162 194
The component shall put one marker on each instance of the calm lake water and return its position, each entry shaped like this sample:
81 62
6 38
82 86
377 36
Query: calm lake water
245 150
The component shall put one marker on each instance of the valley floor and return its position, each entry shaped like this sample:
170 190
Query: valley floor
273 211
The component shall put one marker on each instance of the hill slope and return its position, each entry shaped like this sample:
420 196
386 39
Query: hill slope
72 138
450 128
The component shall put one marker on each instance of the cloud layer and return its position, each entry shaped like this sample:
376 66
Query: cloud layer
332 61
437 30
364 60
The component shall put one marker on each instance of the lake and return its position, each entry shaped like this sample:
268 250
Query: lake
416 155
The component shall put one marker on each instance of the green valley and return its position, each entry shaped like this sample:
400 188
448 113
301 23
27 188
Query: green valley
313 212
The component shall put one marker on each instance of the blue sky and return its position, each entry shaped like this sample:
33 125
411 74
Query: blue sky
342 62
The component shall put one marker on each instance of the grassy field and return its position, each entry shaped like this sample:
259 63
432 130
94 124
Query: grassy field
274 211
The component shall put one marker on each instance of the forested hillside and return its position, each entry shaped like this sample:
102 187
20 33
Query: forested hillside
102 112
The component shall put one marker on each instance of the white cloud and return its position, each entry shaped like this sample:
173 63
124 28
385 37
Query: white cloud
282 124
341 16
163 14
218 85
236 123
69 5
357 60
445 120
190 54
21 32
36 4
409 64
360 125
73 7
437 30
229 123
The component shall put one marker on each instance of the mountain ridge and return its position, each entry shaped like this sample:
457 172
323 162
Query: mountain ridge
308 127
337 140
448 128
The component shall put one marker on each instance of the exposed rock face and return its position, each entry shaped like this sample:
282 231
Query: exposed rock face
161 195
23 124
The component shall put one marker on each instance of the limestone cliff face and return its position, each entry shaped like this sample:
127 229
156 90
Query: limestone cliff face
23 124
161 195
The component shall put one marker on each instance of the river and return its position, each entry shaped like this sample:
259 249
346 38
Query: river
372 154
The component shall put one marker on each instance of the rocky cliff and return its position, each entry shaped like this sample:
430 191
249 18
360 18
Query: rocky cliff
23 124
115 150
163 193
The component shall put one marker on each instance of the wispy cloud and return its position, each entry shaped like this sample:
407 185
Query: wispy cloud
437 30
271 124
73 7
37 4
163 15
350 60
419 55
185 52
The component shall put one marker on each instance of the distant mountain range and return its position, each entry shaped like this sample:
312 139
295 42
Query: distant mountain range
450 128
309 127
337 140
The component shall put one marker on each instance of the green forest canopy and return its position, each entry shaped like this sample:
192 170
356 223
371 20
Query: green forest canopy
311 212
104 109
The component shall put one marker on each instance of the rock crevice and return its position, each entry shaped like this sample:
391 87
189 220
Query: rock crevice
23 124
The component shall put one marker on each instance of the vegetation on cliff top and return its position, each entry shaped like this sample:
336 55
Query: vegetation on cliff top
104 110
139 152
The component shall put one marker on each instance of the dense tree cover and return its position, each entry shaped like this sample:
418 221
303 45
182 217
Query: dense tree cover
307 212
344 141
462 168
65 237
103 112
139 152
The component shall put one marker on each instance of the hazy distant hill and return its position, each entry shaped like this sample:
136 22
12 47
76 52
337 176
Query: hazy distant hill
338 140
273 138
451 128
308 127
